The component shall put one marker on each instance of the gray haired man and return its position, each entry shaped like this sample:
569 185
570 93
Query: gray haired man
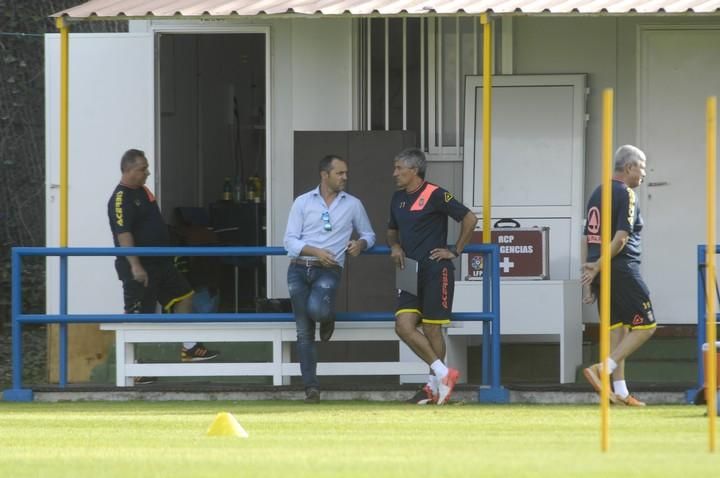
632 321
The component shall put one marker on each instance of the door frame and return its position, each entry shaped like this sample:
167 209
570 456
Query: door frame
200 28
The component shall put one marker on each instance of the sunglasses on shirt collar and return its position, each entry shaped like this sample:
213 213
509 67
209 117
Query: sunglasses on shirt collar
326 221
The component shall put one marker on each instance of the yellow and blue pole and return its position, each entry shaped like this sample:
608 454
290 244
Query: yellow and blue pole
487 180
64 121
606 221
487 130
710 317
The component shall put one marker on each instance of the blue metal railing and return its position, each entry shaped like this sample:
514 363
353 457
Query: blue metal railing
701 318
490 315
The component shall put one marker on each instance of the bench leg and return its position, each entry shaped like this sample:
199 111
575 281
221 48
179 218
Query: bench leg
124 354
286 354
456 355
277 350
571 335
407 355
486 355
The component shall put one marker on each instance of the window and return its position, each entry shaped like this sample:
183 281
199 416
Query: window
413 77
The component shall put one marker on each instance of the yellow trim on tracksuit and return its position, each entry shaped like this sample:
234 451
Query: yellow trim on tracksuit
407 311
168 307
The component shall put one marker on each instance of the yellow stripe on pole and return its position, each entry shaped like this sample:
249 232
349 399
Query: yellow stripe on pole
487 131
64 50
606 222
711 353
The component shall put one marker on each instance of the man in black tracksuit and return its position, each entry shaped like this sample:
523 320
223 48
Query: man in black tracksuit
135 220
417 229
631 316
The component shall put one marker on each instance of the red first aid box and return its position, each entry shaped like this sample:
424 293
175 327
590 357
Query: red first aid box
523 253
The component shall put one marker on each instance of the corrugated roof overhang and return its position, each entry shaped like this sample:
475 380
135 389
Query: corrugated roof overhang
223 8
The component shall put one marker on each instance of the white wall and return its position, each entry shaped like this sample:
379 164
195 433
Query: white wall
580 45
101 127
322 74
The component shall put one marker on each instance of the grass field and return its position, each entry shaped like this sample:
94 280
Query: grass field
349 439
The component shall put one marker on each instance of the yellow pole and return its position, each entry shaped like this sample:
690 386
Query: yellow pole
710 354
64 50
606 221
487 132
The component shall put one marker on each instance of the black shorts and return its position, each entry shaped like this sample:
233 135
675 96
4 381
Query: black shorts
165 285
436 285
630 304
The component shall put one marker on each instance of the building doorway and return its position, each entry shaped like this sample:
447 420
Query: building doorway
212 158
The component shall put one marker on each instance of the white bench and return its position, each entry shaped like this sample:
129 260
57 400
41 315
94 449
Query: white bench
280 334
534 311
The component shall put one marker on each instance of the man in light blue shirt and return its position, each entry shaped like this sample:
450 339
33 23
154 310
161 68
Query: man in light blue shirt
317 238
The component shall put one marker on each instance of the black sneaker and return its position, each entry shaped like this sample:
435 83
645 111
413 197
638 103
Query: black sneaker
144 380
312 395
326 330
421 396
197 353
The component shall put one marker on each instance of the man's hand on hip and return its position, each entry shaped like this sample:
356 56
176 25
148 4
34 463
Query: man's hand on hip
442 253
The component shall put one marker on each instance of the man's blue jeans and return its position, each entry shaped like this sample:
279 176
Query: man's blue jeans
312 293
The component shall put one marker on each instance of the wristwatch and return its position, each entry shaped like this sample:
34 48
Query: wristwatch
453 249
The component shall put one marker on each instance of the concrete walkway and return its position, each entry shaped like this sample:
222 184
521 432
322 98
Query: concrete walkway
538 394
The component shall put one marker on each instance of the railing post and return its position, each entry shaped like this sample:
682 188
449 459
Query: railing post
487 330
495 393
701 333
496 318
63 329
486 352
17 359
17 393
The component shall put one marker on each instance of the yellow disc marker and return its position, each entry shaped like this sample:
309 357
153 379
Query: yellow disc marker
226 425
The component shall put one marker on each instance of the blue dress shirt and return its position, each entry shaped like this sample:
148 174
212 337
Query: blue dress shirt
309 216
